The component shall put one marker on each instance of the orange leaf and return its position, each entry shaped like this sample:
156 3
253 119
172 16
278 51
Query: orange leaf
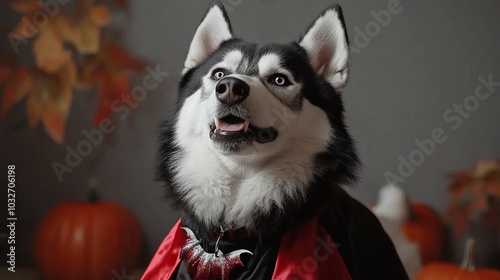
26 6
100 15
108 69
493 188
478 204
56 111
33 110
54 124
85 37
64 24
67 75
8 99
116 84
49 52
54 61
102 113
121 3
485 167
121 82
15 90
84 32
7 67
55 115
461 175
112 89
91 72
50 100
123 59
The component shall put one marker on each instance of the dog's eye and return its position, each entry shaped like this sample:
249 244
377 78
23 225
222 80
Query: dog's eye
279 80
218 73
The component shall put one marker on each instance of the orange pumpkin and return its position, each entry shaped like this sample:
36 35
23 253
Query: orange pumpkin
425 227
466 271
87 241
419 223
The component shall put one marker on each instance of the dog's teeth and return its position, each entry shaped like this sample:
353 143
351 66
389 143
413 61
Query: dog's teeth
247 123
216 123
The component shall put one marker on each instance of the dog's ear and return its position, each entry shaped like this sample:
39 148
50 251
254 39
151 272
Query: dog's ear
212 31
327 46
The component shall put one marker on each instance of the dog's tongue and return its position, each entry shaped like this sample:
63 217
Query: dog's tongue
222 125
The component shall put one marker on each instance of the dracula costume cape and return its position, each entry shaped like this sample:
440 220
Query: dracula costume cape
343 241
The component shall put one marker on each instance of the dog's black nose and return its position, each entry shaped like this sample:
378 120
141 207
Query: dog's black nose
231 90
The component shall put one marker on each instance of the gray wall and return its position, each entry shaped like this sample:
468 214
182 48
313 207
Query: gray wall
413 70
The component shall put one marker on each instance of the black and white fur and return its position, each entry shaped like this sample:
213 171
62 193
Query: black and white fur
298 151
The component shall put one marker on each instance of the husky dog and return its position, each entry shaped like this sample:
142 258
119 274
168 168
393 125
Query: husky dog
255 158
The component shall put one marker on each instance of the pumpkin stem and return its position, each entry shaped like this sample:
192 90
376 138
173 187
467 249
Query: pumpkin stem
470 251
92 195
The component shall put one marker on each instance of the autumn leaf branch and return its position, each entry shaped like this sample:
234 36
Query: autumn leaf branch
475 192
49 83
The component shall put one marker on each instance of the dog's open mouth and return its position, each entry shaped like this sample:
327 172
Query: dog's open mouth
231 125
232 128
